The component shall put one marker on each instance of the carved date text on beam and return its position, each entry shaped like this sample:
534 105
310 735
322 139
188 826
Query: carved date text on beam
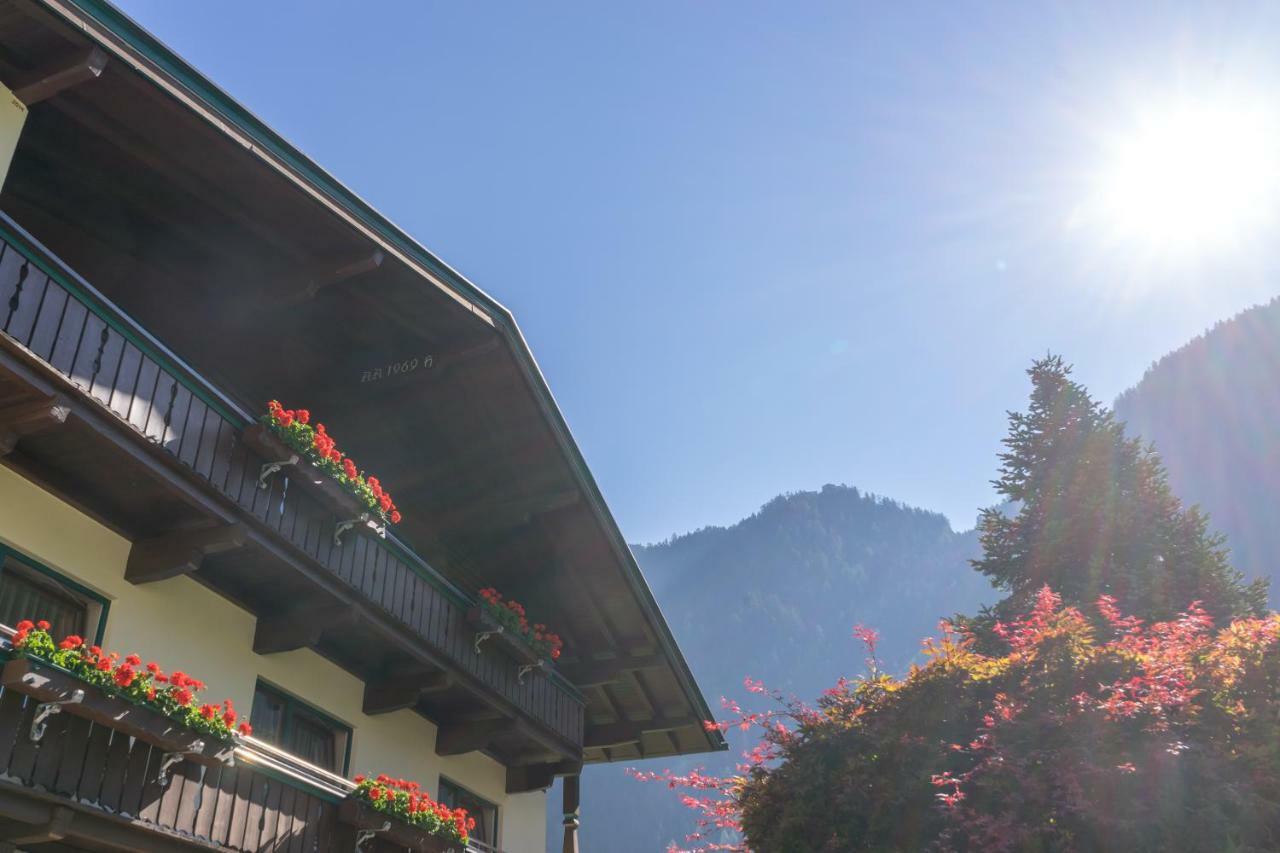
397 368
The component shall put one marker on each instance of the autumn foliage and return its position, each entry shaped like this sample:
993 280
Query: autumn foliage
1123 696
1089 731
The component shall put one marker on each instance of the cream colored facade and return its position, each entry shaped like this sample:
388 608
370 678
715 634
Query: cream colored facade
183 625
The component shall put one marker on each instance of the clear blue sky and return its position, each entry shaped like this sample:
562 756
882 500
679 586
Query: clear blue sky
759 248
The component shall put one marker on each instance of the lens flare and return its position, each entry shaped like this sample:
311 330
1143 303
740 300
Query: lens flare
1192 176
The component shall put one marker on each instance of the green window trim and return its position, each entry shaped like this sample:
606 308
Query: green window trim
292 702
467 793
57 577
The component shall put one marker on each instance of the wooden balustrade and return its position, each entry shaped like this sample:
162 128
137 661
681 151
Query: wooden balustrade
81 336
84 781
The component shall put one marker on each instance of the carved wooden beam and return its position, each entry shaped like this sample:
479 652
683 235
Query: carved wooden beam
300 628
47 82
459 738
396 694
55 829
595 673
180 553
629 731
538 777
328 276
22 419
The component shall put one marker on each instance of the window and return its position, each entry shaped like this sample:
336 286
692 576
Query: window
297 728
485 812
29 590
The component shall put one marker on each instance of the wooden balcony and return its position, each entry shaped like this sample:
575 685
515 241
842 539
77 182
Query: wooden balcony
104 415
85 786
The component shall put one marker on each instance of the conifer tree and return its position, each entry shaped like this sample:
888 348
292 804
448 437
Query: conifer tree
1095 515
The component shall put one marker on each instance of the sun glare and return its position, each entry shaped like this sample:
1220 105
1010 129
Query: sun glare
1192 176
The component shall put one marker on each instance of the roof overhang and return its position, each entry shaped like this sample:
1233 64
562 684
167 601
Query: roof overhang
553 542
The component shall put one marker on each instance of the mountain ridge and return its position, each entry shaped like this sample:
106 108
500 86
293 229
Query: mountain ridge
775 595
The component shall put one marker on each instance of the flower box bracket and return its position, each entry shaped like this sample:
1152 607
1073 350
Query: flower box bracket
370 823
58 691
512 644
364 836
45 710
361 520
264 476
303 474
172 758
481 636
528 668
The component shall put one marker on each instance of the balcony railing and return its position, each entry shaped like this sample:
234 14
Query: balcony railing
98 783
80 335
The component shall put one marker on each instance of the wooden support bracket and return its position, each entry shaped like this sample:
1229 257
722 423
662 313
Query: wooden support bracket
460 738
538 777
22 419
55 828
180 553
300 628
396 694
47 82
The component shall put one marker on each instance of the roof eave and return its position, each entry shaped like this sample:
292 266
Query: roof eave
115 31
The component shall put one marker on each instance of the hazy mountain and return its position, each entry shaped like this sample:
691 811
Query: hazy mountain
1212 409
775 597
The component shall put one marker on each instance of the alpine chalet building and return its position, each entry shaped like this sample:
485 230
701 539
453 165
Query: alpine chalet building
428 589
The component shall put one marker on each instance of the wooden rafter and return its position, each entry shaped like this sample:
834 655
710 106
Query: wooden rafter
180 553
300 628
49 81
382 697
538 777
472 736
594 673
630 731
23 419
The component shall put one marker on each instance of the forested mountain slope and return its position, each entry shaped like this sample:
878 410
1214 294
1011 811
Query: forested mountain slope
775 597
1212 409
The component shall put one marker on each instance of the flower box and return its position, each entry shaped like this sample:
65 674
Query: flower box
326 489
287 438
47 683
534 645
355 812
488 629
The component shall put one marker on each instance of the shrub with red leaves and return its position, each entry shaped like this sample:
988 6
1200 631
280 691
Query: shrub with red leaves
1086 732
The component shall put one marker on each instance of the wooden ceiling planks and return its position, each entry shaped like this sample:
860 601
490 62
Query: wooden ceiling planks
468 450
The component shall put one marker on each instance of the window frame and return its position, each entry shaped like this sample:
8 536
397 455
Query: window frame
293 702
496 843
74 588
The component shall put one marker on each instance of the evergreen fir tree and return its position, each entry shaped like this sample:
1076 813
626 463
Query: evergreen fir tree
1095 515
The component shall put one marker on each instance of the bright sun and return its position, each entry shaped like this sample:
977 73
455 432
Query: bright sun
1192 176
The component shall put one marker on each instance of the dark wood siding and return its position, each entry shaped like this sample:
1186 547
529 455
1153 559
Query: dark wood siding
178 412
237 808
